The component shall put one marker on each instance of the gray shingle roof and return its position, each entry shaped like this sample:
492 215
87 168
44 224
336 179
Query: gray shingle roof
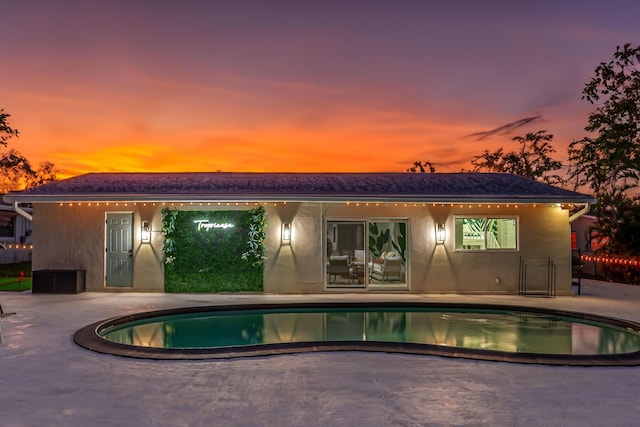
204 186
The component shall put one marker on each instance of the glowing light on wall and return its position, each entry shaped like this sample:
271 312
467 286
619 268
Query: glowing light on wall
286 233
145 234
441 234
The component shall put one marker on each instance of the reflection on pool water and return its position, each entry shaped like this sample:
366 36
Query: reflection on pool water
482 329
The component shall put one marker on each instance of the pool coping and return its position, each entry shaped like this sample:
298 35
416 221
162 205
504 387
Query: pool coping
88 337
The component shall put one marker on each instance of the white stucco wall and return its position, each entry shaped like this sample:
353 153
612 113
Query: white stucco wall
72 237
543 232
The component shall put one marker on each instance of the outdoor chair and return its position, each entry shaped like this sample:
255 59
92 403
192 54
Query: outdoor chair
339 267
389 270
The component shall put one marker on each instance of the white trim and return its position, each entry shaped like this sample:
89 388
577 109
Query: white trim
22 212
580 213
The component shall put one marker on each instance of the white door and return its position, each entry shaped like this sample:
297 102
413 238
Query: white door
119 248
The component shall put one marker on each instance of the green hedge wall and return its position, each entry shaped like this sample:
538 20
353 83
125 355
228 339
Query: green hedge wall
210 260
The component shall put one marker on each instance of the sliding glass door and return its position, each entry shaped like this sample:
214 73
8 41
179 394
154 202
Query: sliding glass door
363 254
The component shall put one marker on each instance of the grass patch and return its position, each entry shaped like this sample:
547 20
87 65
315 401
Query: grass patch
12 284
9 274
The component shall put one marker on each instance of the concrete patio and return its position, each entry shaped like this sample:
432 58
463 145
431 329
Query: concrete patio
46 380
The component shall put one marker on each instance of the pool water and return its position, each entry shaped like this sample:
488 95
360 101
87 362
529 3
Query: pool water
491 330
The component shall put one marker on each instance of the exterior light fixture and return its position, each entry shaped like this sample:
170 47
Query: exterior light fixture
286 233
441 234
145 235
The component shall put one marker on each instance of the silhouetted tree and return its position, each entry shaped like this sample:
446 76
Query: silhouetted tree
533 160
609 161
17 172
422 167
6 132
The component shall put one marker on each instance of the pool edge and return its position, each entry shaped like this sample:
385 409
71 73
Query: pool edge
88 338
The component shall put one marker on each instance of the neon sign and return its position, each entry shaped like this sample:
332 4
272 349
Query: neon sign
204 224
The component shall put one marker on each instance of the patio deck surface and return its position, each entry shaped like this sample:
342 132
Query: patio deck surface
46 380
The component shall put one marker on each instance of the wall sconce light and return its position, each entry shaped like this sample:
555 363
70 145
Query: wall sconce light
286 233
441 234
145 236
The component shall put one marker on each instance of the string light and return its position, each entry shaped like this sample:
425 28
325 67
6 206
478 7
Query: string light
348 203
18 246
611 260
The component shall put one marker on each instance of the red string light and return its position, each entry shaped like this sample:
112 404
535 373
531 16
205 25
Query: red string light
611 260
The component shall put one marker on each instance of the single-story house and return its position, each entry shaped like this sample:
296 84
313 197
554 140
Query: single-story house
306 232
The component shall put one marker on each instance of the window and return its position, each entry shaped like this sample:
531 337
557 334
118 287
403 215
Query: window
483 233
7 226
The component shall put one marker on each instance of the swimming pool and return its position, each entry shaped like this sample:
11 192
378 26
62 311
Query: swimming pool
489 332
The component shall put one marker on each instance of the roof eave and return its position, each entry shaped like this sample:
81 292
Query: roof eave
226 197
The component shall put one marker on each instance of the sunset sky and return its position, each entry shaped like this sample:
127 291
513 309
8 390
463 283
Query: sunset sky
264 85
